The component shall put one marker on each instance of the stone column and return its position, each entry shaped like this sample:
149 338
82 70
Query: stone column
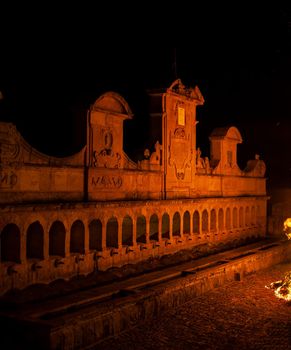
147 231
104 232
67 242
119 221
46 242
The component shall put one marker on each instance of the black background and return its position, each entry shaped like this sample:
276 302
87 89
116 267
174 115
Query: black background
241 63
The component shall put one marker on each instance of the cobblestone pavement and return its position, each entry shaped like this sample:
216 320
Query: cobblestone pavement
240 315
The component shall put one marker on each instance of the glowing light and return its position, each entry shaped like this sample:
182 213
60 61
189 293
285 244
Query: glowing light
282 288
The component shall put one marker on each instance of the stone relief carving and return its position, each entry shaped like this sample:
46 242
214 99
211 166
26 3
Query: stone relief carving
202 164
9 145
179 155
106 159
179 133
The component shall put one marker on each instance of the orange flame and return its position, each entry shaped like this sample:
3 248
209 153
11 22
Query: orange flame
282 288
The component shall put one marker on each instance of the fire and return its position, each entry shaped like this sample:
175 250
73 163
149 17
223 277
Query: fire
287 228
282 288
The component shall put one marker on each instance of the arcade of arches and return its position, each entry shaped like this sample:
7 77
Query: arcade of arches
63 242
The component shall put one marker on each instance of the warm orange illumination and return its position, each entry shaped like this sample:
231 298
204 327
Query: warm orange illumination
282 288
287 228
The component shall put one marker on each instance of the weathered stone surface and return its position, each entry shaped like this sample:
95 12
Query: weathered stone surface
64 217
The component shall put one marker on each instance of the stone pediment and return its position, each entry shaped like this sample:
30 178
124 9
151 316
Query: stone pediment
114 103
231 133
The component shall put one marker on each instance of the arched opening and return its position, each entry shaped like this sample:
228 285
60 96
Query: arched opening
165 226
196 223
112 233
154 227
141 229
10 244
77 241
227 219
176 224
57 236
204 221
234 217
241 217
212 220
95 235
220 220
186 222
127 231
34 241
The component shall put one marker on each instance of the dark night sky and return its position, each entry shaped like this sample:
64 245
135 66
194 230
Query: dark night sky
242 68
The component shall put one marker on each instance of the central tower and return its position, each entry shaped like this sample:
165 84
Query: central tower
179 138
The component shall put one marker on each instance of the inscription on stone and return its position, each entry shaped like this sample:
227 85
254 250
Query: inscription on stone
107 181
7 179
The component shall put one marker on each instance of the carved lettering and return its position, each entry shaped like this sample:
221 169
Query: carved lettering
7 180
107 181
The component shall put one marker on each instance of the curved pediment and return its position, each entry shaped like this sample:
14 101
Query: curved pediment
227 133
114 103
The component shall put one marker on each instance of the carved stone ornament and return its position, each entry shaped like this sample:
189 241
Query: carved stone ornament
9 145
179 156
106 158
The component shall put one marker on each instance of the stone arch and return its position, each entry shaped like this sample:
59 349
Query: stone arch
234 218
141 228
205 221
186 222
95 235
165 226
77 239
10 243
154 227
196 222
213 220
57 237
112 233
176 224
127 231
220 219
34 241
227 219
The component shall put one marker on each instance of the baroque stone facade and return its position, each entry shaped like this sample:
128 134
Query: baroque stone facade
60 217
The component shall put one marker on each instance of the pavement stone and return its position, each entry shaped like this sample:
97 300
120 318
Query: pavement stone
240 315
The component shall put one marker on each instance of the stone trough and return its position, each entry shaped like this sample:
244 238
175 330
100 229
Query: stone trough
83 319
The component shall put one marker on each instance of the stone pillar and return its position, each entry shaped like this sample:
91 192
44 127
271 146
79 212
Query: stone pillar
147 231
171 227
119 233
22 247
160 229
67 242
104 232
46 242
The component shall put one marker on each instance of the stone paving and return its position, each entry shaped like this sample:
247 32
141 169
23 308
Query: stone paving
240 315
